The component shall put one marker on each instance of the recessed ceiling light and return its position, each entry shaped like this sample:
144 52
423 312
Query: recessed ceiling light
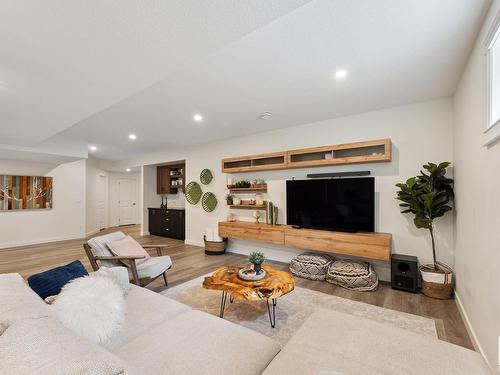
92 148
266 116
341 74
198 118
132 137
128 169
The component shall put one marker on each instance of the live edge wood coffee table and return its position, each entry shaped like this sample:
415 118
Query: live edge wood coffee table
270 288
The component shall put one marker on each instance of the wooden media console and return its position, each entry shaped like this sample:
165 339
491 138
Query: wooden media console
366 245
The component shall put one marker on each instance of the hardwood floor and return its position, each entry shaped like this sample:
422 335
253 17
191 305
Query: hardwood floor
190 262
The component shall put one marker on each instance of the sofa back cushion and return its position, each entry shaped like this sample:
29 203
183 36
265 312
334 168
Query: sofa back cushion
44 346
18 301
128 247
49 283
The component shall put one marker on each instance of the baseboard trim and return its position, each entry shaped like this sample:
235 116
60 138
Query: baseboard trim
194 243
470 331
37 242
92 232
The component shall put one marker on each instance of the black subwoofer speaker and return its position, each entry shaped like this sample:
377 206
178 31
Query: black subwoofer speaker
404 273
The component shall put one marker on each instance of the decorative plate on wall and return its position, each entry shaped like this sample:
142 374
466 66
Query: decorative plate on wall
193 192
206 176
209 202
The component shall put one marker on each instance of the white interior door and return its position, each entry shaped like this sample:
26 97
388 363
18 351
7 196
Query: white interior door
101 202
126 202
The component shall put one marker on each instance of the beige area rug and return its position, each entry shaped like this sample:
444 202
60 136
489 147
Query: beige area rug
291 311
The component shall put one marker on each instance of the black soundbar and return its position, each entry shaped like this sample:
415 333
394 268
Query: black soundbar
338 174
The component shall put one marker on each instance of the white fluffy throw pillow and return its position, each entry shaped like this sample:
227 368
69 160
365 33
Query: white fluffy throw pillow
118 274
93 307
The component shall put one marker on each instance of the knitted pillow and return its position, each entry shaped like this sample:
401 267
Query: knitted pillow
50 283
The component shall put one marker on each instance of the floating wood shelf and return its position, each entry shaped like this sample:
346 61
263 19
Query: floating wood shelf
248 206
262 189
348 153
366 245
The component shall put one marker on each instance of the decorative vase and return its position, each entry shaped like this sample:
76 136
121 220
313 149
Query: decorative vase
437 283
269 213
236 201
229 201
257 267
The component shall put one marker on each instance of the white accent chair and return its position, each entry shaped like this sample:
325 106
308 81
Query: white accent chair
142 273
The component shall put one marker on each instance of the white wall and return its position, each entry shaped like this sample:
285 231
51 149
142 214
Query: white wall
420 133
477 181
93 175
66 220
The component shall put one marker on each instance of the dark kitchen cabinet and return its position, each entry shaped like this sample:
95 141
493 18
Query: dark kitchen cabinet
170 178
167 222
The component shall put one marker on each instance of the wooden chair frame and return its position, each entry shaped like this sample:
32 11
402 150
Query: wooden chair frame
129 262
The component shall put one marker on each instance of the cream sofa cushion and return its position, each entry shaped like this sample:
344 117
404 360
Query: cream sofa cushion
45 347
334 341
19 301
198 343
144 310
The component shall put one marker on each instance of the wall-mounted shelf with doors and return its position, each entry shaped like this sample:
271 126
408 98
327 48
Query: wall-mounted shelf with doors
260 162
170 178
347 153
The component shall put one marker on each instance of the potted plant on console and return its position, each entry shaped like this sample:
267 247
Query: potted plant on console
256 258
428 196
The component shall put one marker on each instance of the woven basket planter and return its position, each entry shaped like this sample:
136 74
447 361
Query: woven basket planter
215 248
437 283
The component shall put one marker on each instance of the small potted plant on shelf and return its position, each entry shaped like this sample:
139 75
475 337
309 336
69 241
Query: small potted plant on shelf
229 199
428 196
243 184
257 258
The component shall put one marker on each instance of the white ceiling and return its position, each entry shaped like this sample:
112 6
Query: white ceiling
99 70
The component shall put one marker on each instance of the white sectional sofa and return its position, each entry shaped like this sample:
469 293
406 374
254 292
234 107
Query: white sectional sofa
162 336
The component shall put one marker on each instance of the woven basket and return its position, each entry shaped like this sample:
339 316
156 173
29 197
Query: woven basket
438 290
215 248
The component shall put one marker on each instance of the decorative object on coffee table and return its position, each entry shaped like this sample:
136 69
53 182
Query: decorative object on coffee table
428 196
209 202
249 274
193 192
274 285
256 258
215 247
353 275
206 176
312 266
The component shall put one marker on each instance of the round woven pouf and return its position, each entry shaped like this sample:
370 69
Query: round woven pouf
353 275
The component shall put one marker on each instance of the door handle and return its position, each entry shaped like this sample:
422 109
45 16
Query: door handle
133 204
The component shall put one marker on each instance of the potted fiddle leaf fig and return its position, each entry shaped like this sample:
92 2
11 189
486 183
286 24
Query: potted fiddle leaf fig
427 197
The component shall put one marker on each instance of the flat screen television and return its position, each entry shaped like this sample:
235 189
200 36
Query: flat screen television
345 204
